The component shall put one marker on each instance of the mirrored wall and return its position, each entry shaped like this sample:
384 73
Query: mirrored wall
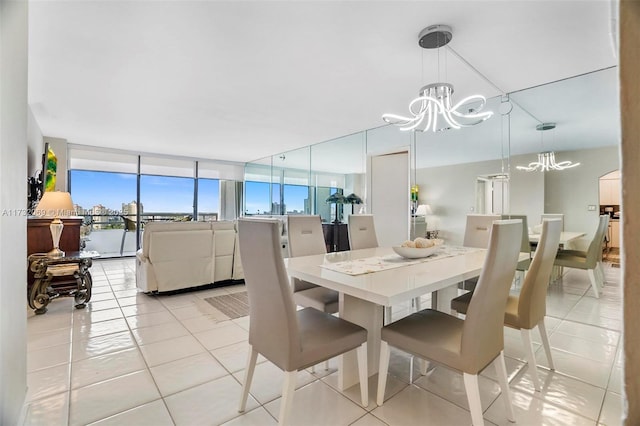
471 170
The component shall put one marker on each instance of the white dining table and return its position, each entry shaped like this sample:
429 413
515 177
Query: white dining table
566 238
363 297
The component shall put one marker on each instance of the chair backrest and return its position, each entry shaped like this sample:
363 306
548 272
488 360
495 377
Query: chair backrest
362 232
305 235
129 224
476 233
559 216
483 334
273 326
594 252
532 306
526 244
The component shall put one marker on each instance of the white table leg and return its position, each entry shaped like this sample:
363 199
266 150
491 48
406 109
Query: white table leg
367 315
441 299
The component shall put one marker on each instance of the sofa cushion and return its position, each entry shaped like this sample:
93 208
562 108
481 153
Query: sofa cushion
154 227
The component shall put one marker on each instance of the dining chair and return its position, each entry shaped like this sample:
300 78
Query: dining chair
525 247
468 345
129 226
559 216
476 234
590 260
527 310
306 238
290 339
362 232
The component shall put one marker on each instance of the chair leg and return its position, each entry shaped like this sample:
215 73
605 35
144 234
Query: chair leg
545 342
248 377
418 304
382 371
363 373
531 357
288 388
387 315
601 270
594 282
424 365
501 369
326 365
473 396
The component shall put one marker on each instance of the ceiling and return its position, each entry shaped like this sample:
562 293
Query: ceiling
240 80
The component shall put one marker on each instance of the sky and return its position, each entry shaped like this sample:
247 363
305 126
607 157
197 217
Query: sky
158 194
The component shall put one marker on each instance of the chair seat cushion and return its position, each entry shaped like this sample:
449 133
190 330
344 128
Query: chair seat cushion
323 336
572 261
461 304
523 265
319 298
430 335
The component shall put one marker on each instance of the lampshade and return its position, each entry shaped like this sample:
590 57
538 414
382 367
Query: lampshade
55 204
423 210
337 198
353 199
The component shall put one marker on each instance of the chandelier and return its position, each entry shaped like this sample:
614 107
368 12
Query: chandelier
435 100
547 159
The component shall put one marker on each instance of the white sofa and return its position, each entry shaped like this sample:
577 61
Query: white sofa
179 255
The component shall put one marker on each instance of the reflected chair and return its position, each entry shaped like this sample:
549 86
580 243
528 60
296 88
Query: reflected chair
523 265
362 232
527 310
469 345
476 234
590 260
129 226
306 238
290 339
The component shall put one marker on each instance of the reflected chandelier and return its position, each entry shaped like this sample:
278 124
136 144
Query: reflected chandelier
547 159
434 99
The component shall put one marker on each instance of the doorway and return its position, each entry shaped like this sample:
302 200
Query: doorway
389 196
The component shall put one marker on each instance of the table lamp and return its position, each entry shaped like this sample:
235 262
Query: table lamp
353 199
55 204
423 210
336 198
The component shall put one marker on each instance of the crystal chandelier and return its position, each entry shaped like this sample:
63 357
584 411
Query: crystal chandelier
547 159
434 100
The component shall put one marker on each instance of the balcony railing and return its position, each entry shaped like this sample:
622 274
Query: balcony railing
116 235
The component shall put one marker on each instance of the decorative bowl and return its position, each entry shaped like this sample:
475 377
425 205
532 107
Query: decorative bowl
415 253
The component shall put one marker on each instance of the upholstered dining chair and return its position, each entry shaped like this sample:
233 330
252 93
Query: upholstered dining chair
362 232
590 260
290 339
129 226
523 265
476 234
468 345
306 238
527 310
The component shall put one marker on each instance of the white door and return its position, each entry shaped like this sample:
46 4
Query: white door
389 197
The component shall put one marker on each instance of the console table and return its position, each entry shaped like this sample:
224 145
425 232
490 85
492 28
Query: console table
74 278
336 236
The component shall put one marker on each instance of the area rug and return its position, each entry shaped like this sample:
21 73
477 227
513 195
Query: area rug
233 305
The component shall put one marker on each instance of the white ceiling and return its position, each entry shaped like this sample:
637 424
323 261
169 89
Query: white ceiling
240 80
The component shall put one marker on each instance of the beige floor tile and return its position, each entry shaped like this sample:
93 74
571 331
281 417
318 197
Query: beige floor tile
234 357
589 332
530 410
589 371
177 300
84 331
104 399
368 420
353 393
199 307
611 414
568 393
48 357
47 322
256 417
616 380
86 316
203 323
101 345
414 405
53 410
47 339
47 382
224 335
170 350
101 305
212 403
585 348
156 333
143 308
100 297
148 320
181 374
104 367
329 407
151 414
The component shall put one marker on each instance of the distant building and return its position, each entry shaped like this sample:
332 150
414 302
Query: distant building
101 213
131 209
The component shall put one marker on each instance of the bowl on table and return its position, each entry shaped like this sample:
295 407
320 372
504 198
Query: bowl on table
417 252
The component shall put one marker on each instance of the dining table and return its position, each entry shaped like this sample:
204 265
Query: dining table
566 238
368 280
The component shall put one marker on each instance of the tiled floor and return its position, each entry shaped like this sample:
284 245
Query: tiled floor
134 359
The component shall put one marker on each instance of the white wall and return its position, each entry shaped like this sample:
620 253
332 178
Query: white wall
451 193
572 191
13 228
